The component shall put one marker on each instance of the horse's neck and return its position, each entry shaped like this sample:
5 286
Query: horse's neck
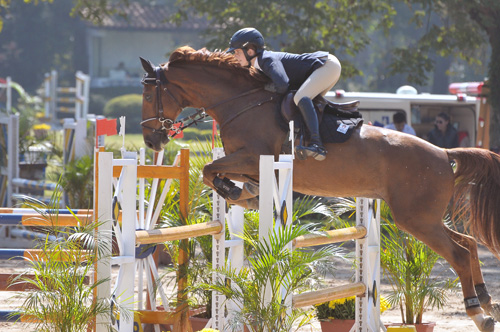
213 88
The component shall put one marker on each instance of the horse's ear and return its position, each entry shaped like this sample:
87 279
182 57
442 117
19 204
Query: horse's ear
148 66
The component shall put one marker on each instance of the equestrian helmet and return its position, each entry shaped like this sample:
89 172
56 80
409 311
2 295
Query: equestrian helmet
245 37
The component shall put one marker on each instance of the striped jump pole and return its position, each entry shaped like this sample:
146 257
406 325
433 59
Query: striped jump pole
33 184
40 255
275 195
45 211
35 219
13 316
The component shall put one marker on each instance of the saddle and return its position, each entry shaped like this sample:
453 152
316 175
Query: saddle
337 121
347 110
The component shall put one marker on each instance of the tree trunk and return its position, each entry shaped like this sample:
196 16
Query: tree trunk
441 79
494 80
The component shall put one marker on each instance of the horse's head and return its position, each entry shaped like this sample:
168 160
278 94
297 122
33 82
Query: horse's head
159 110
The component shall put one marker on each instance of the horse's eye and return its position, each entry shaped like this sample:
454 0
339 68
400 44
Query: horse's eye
148 98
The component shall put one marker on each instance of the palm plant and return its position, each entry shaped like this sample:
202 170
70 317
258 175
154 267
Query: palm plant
277 268
61 296
77 182
408 264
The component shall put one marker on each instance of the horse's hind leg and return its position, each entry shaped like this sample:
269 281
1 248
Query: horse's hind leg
428 228
491 308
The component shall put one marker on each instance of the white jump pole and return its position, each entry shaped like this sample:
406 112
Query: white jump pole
102 209
125 286
368 268
235 259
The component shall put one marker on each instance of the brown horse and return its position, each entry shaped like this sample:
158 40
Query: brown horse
414 177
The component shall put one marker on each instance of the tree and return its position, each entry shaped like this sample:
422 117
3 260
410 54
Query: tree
35 40
466 27
294 25
458 28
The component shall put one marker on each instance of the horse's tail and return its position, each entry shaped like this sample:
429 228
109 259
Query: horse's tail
477 180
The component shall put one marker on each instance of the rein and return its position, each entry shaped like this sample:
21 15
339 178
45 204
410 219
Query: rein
177 127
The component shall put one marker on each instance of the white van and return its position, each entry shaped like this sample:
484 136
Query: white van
421 110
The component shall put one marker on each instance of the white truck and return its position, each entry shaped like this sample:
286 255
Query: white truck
469 114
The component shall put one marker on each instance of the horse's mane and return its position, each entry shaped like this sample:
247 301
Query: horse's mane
217 58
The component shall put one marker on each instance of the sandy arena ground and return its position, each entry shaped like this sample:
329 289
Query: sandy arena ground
451 319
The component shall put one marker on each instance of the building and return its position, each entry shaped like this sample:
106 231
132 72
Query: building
114 47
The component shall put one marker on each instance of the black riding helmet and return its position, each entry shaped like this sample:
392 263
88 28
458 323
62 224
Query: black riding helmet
244 38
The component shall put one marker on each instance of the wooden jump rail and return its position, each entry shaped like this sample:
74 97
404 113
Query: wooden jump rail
328 294
328 237
160 235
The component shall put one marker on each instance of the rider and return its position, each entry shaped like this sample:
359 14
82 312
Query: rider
311 74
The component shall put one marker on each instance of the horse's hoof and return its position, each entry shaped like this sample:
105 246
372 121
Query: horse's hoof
493 309
487 325
253 203
227 189
252 188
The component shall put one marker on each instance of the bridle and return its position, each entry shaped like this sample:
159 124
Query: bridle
166 124
171 127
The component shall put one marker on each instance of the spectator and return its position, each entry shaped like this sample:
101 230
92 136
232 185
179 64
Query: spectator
444 134
399 124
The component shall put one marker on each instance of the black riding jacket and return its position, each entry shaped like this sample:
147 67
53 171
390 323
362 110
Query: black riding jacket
288 70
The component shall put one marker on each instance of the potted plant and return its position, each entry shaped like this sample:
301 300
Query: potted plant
408 265
339 315
336 315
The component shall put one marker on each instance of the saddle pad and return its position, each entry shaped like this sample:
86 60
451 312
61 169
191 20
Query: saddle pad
334 129
329 128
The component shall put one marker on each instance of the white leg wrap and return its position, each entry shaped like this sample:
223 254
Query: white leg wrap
484 323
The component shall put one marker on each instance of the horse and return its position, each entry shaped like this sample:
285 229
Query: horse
415 178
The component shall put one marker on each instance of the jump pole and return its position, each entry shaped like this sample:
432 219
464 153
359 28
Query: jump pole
277 194
125 194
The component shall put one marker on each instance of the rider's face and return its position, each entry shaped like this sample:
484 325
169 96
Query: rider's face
240 56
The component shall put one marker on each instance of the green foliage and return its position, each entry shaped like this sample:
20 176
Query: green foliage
197 134
274 273
324 25
28 51
61 297
127 105
408 265
77 182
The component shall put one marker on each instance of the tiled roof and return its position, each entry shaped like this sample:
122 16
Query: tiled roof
148 17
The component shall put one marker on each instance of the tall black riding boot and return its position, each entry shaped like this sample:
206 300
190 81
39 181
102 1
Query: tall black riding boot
315 148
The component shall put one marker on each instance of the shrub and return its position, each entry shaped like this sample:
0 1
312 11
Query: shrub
127 105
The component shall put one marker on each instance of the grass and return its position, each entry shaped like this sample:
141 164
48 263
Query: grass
133 142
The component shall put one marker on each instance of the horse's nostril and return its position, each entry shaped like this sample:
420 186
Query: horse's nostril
149 144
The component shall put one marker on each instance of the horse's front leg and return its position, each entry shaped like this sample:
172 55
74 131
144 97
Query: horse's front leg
240 166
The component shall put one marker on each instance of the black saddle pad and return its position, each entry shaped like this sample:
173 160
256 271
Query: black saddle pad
335 129
332 128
